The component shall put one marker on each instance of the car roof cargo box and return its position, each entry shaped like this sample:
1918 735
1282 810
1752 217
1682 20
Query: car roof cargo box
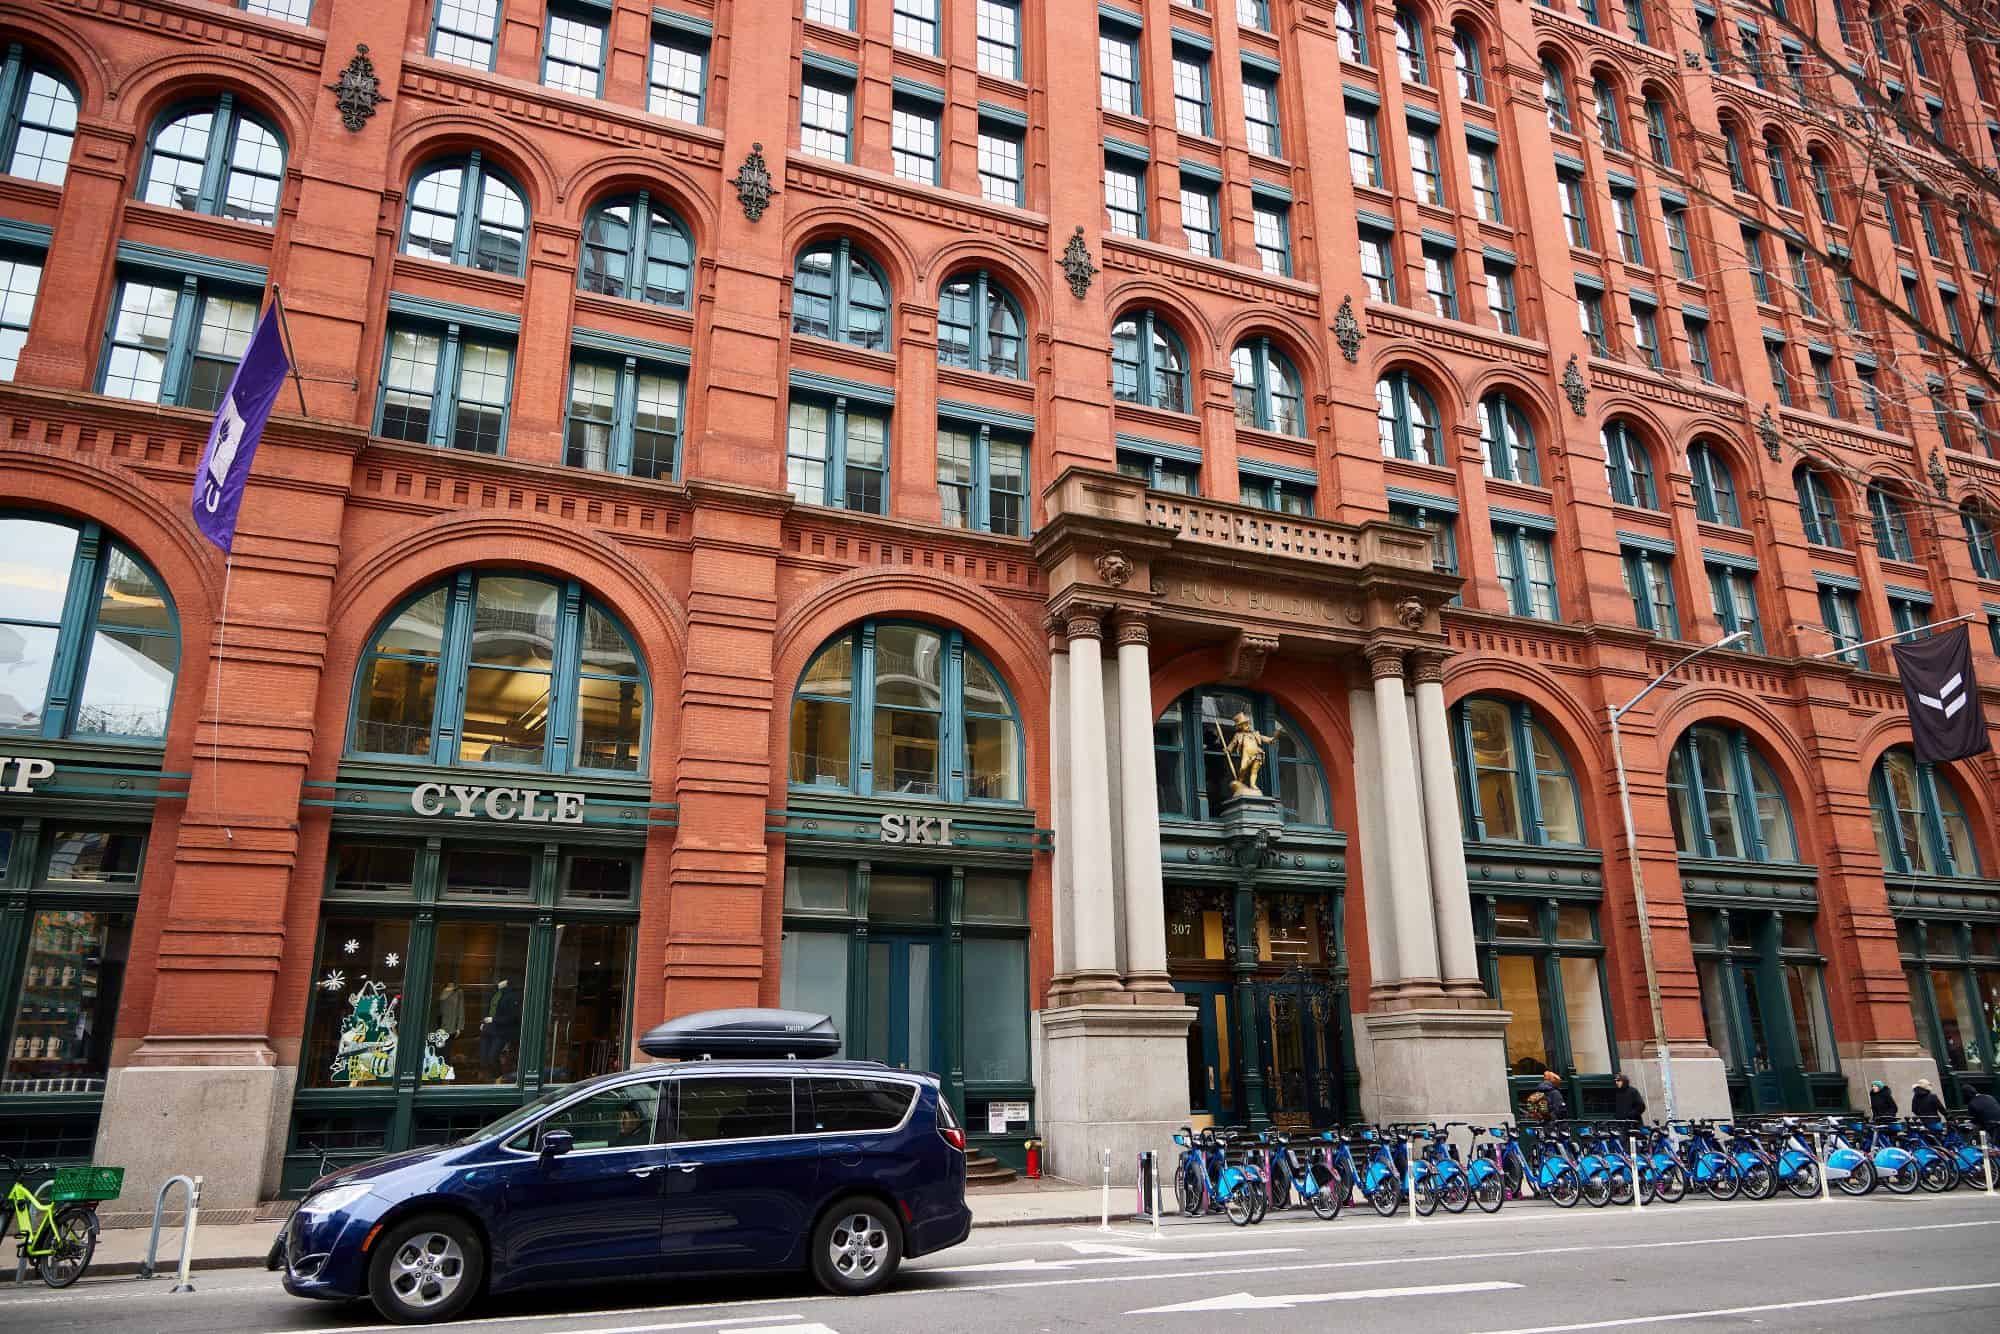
743 1034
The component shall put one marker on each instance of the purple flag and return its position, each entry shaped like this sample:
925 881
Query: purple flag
239 425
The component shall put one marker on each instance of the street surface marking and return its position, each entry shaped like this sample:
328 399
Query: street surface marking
761 1322
1122 1255
1752 1310
1243 1301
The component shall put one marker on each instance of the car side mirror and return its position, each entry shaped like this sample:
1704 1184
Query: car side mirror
555 1144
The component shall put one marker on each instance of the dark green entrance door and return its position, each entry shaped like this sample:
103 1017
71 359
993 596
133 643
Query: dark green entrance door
1299 1040
1211 1054
903 993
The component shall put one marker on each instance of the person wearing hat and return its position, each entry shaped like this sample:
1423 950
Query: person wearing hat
1984 1109
1925 1103
1627 1103
1552 1098
1881 1102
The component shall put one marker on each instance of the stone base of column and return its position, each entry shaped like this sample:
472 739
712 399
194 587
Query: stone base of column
215 1108
1701 1081
1112 1077
1088 987
1151 989
1897 1064
1433 1065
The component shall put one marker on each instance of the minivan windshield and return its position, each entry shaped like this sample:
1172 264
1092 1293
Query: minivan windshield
520 1116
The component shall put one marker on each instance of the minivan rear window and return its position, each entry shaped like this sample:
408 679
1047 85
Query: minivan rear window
734 1108
841 1105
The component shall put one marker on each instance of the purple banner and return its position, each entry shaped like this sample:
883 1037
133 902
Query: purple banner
239 425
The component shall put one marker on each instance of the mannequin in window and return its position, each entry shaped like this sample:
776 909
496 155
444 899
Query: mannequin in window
500 1028
450 1017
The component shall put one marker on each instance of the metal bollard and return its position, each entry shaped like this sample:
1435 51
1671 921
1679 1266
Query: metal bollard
149 1268
1410 1175
1825 1186
1632 1151
1105 1224
183 1284
1986 1156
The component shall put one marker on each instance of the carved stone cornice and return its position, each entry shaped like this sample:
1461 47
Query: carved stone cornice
1427 666
1385 660
1133 627
1083 620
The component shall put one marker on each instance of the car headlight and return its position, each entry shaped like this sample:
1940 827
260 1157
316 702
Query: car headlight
332 1201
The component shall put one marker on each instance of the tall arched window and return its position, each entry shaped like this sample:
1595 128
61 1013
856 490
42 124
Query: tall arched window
1822 186
1714 487
1148 363
1411 58
1610 123
1920 827
37 119
838 293
1732 156
980 327
1817 510
1350 26
1194 775
1659 135
1629 466
89 643
1406 419
215 157
1892 529
1507 442
1724 799
1471 71
494 668
1555 97
634 247
1781 172
1268 397
890 708
1978 521
465 211
1515 783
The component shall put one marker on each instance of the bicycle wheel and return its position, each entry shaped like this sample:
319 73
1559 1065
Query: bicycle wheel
74 1242
1759 1182
1187 1189
1326 1201
1804 1182
1724 1184
1597 1190
1565 1190
1937 1176
1902 1180
1454 1193
1490 1194
1281 1188
1426 1197
1387 1197
1517 1178
1860 1180
1259 1200
1241 1206
1673 1186
1621 1188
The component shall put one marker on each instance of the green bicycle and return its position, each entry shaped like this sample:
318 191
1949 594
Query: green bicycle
58 1233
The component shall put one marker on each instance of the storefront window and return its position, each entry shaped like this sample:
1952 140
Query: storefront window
587 1003
1725 800
60 1040
477 975
94 856
357 1003
1517 786
996 1042
1954 996
1543 963
1524 993
1193 773
814 976
1813 1027
1714 1013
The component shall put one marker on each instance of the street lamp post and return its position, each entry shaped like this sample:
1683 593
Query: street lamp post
1638 874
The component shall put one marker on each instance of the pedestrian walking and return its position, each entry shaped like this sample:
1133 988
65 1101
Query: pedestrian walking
1881 1102
1627 1103
1549 1091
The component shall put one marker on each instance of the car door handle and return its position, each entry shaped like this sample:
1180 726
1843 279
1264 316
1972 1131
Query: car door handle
644 1171
685 1167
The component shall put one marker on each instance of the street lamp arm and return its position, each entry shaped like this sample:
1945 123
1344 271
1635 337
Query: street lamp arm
1621 710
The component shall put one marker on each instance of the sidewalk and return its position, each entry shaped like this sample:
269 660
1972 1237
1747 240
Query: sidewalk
231 1245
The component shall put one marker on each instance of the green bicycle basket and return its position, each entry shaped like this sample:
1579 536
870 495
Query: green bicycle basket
87 1183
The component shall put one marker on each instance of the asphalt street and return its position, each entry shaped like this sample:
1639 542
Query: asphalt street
1915 1264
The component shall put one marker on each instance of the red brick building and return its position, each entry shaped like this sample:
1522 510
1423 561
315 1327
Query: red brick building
730 436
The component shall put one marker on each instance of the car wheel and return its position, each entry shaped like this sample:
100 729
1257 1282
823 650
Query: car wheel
426 1268
856 1248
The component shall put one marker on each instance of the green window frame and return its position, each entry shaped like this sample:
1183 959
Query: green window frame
1753 259
424 665
826 116
1271 232
1625 222
1725 799
1442 525
1001 179
446 386
1350 28
1628 465
637 249
1646 332
1840 613
866 686
1590 320
980 327
1920 824
677 76
983 477
20 284
1193 108
1276 494
575 41
1979 540
1471 69
1673 218
1910 615
1149 364
1576 215
214 157
1119 87
1426 166
1159 472
1555 98
175 339
839 293
1699 355
1817 508
1659 136
1267 390
1951 960
1649 577
104 607
1364 146
915 149
1524 560
1822 370
1714 486
1515 781
467 212
1127 210
1378 265
1544 961
1891 528
1198 210
1507 441
999 37
837 452
1193 777
1822 188
1482 165
1407 423
1253 14
1610 130
1412 55
1262 130
833 13
624 415
1501 301
38 108
1780 172
466 32
1733 594
914 25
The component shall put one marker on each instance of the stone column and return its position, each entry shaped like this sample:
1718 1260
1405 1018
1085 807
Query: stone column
1371 834
1409 899
1450 902
1139 819
1060 886
1093 909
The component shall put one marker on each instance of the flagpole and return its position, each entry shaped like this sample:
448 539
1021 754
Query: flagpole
1881 639
285 331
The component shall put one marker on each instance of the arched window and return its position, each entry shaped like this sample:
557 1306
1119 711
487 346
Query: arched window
890 708
1978 522
1148 363
1350 25
1920 827
1507 442
1724 799
1268 397
1406 419
838 293
89 643
37 119
1610 132
1555 97
1193 773
215 158
464 211
1411 59
1817 510
1659 135
980 327
1515 784
495 668
1714 487
634 247
1732 155
1918 66
1892 530
1471 71
1822 186
1781 173
1629 467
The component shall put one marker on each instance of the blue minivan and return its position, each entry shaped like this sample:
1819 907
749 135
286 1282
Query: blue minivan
747 1154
